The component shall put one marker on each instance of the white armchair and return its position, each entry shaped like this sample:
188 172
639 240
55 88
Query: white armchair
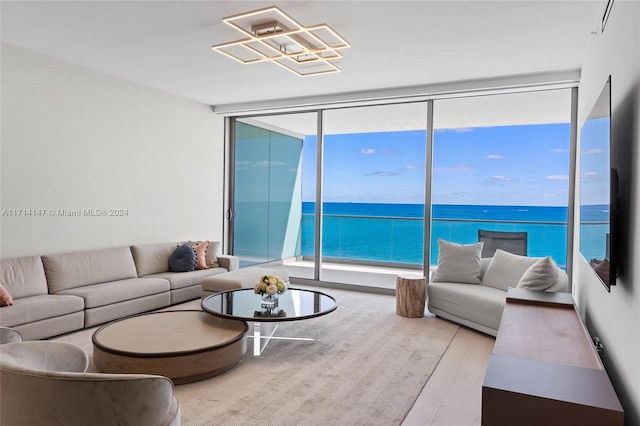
45 383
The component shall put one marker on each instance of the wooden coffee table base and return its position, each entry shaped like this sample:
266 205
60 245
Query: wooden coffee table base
185 346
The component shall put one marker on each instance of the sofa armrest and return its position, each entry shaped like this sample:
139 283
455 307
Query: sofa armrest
42 355
9 335
229 262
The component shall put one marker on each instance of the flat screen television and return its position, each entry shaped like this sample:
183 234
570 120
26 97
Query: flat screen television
599 191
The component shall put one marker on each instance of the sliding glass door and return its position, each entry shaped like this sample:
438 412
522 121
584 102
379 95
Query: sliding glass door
339 195
501 163
373 193
267 194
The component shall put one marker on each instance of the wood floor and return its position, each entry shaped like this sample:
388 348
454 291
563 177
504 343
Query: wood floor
453 394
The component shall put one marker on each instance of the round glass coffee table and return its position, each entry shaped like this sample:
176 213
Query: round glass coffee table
244 305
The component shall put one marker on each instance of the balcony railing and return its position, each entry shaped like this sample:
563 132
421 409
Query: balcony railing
398 241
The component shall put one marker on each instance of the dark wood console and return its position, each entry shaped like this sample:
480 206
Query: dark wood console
544 368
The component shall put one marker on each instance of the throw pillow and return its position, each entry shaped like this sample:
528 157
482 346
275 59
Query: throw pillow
5 297
201 255
458 263
506 269
540 276
212 254
183 259
213 248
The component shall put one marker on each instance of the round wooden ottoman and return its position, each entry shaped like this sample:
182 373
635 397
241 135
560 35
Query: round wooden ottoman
185 346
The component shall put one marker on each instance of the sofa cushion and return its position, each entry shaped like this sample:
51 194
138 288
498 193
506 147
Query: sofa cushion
187 279
458 263
5 297
540 276
71 270
506 269
183 259
478 304
152 258
118 291
23 276
41 307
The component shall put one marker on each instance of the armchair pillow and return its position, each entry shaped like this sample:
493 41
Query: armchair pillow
540 276
506 269
458 263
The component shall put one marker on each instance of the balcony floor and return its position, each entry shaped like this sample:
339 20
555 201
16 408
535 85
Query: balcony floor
346 275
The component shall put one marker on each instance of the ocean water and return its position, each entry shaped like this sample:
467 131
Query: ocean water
393 232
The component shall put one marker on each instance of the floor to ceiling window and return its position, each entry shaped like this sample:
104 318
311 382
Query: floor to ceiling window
267 191
373 191
500 162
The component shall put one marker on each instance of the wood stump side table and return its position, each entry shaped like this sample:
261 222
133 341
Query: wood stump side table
410 295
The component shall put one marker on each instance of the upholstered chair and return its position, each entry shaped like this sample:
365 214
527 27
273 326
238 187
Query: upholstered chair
45 383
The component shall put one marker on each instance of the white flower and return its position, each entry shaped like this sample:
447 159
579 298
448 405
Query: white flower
269 284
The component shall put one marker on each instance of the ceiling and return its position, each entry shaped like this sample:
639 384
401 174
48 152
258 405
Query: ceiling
166 44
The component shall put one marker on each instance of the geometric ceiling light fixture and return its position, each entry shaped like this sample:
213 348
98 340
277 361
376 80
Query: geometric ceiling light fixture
274 36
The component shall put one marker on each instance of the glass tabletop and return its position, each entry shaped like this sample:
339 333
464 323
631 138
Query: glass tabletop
293 304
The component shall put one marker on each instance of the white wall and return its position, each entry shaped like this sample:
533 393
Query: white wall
73 138
615 317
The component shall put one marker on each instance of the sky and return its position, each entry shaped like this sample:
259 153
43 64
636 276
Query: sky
595 161
524 165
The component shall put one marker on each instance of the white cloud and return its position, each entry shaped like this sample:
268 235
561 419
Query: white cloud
560 150
593 151
367 151
557 177
456 130
495 157
412 166
500 178
267 163
591 175
381 173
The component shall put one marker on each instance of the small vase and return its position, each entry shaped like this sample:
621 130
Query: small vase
269 301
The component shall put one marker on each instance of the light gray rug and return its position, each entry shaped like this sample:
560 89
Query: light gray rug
367 367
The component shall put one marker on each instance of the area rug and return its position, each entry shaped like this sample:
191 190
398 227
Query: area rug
367 366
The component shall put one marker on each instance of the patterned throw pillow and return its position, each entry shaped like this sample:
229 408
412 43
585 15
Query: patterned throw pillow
183 259
5 297
213 248
201 253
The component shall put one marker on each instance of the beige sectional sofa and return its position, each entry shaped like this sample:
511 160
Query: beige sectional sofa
59 293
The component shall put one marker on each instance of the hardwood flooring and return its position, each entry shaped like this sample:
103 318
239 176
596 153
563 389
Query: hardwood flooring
453 394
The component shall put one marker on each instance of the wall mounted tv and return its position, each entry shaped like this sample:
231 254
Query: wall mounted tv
599 191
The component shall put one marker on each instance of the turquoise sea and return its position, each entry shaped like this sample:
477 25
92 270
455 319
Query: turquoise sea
393 232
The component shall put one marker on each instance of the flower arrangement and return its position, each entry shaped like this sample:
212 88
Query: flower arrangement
269 284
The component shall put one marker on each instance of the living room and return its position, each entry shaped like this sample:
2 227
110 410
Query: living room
78 137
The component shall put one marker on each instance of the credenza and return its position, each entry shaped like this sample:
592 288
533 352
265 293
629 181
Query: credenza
544 368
